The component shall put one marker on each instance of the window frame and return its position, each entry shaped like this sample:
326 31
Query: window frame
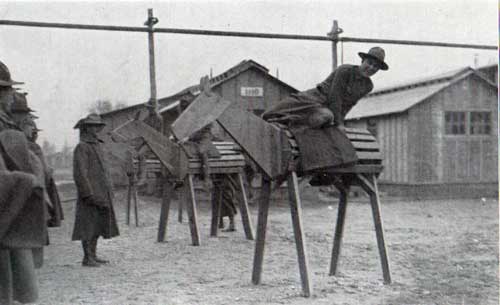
468 123
446 129
482 123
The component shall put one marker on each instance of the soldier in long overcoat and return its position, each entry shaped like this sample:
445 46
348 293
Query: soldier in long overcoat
22 221
30 129
95 215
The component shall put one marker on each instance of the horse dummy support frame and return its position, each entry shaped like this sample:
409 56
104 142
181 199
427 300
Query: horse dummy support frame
272 150
175 166
231 164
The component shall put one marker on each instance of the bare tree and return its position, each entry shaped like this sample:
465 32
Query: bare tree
48 148
101 106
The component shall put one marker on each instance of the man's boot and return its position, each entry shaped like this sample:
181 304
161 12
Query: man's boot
88 260
94 255
231 227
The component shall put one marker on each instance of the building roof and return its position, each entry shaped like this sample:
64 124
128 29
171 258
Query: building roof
400 98
162 102
233 72
166 103
487 67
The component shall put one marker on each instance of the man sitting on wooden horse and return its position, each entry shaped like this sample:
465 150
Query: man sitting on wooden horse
331 99
325 105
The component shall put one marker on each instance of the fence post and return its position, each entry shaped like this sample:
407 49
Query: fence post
334 34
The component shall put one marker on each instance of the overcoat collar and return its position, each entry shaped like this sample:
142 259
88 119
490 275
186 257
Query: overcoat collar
87 137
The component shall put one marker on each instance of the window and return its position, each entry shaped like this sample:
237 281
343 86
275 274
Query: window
472 123
454 122
480 122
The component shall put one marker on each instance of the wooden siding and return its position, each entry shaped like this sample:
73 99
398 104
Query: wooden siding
416 149
392 136
424 146
273 92
470 158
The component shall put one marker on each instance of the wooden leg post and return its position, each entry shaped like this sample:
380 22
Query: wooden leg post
370 186
216 207
339 230
165 209
245 214
180 203
296 211
129 198
136 210
261 230
192 211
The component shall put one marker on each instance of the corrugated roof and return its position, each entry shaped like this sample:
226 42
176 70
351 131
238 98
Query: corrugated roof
162 102
395 102
400 98
423 81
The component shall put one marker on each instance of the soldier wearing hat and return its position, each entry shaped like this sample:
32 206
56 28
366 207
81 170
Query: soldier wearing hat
95 215
326 104
20 109
54 206
22 221
331 99
7 93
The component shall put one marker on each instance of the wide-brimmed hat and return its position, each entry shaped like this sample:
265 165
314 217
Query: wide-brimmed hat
20 104
378 54
28 121
5 80
91 119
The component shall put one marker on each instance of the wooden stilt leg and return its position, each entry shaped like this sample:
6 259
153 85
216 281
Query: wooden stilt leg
216 207
245 214
192 211
165 209
261 230
339 230
180 203
370 186
136 211
296 211
129 198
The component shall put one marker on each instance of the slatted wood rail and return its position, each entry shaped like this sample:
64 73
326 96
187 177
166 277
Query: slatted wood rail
230 165
363 173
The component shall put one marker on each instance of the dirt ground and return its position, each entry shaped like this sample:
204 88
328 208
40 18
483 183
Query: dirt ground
441 252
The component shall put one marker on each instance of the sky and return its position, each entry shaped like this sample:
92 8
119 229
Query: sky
66 71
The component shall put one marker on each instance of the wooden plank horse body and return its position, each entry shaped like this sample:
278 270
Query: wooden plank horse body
229 166
176 167
277 155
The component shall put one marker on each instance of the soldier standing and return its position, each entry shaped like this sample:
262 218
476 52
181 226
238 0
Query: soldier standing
7 99
20 110
54 206
22 229
95 215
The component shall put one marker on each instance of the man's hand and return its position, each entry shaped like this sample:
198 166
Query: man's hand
89 200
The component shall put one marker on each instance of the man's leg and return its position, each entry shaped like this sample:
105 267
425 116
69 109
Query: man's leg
88 260
94 252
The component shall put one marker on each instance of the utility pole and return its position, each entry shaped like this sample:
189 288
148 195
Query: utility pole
334 35
152 73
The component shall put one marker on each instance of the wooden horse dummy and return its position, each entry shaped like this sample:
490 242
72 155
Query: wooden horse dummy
178 167
278 155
